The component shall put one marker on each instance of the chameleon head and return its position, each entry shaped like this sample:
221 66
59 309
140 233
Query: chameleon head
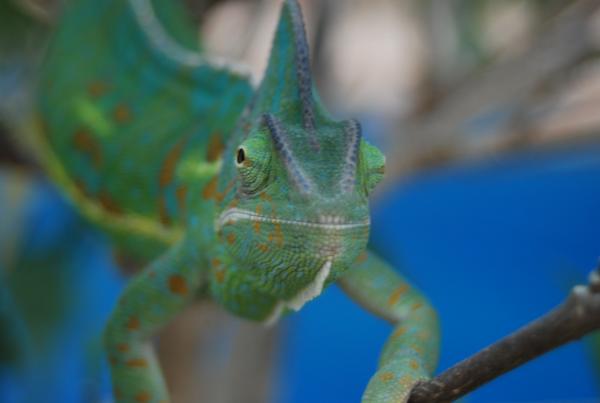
298 207
297 212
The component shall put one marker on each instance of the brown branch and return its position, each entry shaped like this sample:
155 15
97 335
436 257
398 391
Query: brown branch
578 315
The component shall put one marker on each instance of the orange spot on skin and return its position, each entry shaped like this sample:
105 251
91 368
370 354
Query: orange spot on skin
220 275
263 248
406 381
210 190
417 349
221 196
396 294
163 214
264 196
167 170
231 238
97 89
133 323
81 188
413 364
84 142
123 347
234 203
362 257
126 262
386 376
215 262
273 207
278 234
122 113
113 361
178 285
399 332
256 224
142 397
137 363
416 306
215 147
165 177
181 194
108 203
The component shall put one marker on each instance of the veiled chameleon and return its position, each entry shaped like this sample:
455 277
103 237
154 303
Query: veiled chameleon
254 197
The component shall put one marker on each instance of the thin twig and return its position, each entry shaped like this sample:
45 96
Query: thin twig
578 315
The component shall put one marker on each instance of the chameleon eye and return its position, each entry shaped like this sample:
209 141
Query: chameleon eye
252 164
241 155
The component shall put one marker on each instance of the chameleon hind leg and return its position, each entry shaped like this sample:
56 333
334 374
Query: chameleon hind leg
149 301
411 352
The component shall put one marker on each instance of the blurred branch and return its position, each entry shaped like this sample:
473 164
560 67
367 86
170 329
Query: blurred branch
578 315
11 155
198 8
204 351
44 11
493 112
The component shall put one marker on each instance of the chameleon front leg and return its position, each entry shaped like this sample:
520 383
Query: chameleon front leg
411 352
150 300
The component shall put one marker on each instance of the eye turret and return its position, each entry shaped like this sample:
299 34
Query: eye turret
252 160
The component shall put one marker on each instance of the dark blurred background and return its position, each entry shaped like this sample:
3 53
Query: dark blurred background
489 115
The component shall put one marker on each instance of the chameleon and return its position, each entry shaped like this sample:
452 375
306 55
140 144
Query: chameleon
252 196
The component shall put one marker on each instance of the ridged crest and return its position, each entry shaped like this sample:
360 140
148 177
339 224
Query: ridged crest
288 76
353 137
279 136
302 133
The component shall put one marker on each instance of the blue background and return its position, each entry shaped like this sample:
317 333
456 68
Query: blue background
493 247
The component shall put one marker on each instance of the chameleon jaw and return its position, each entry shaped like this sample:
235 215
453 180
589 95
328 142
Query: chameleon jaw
315 287
308 293
325 222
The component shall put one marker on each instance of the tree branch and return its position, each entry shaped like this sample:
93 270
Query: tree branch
578 315
493 112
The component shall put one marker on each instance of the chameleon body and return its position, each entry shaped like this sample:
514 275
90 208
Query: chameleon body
254 197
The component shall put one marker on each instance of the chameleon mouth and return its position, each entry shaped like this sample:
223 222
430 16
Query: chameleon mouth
325 222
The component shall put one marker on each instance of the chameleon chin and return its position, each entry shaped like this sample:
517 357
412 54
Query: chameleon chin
255 195
312 252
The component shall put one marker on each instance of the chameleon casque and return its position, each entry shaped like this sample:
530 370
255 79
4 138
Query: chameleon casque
254 197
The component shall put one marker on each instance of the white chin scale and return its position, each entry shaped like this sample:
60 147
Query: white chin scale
308 293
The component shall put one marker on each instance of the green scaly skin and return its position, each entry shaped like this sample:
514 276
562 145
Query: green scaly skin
255 198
